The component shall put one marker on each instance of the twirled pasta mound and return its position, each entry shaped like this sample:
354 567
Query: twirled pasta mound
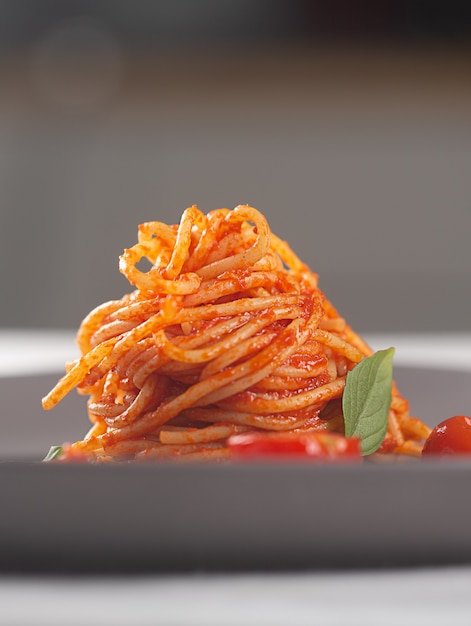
226 332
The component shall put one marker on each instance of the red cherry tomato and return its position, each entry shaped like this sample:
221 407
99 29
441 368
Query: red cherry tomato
319 446
452 436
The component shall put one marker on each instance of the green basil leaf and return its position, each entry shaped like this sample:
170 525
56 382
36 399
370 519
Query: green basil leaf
367 399
54 453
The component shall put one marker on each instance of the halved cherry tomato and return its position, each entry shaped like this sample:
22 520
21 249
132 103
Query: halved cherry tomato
452 436
319 446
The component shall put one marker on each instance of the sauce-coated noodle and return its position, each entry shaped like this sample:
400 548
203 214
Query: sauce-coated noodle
226 332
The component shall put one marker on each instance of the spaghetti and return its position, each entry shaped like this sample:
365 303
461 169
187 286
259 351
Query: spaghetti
226 332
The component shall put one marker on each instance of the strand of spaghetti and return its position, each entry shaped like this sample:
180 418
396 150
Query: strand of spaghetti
295 373
185 359
234 236
271 262
145 365
165 316
312 368
277 422
298 401
128 342
133 314
153 358
394 428
153 280
336 325
156 234
90 445
232 340
191 217
139 309
212 331
93 321
288 256
330 311
338 345
263 363
235 282
98 428
237 307
358 341
207 240
94 390
111 395
247 257
160 449
110 409
236 353
215 432
130 447
413 427
259 366
112 329
77 373
147 357
151 395
125 364
230 244
268 359
398 403
412 448
210 312
295 383
332 369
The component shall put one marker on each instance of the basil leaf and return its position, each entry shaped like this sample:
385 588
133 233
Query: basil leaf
54 453
367 399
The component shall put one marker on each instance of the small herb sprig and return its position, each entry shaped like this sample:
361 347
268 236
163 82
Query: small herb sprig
367 399
55 452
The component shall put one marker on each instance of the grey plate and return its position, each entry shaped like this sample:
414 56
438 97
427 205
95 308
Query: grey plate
167 517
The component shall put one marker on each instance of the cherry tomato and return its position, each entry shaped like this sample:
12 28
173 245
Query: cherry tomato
452 436
321 446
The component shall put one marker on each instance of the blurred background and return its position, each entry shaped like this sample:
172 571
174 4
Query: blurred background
348 123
